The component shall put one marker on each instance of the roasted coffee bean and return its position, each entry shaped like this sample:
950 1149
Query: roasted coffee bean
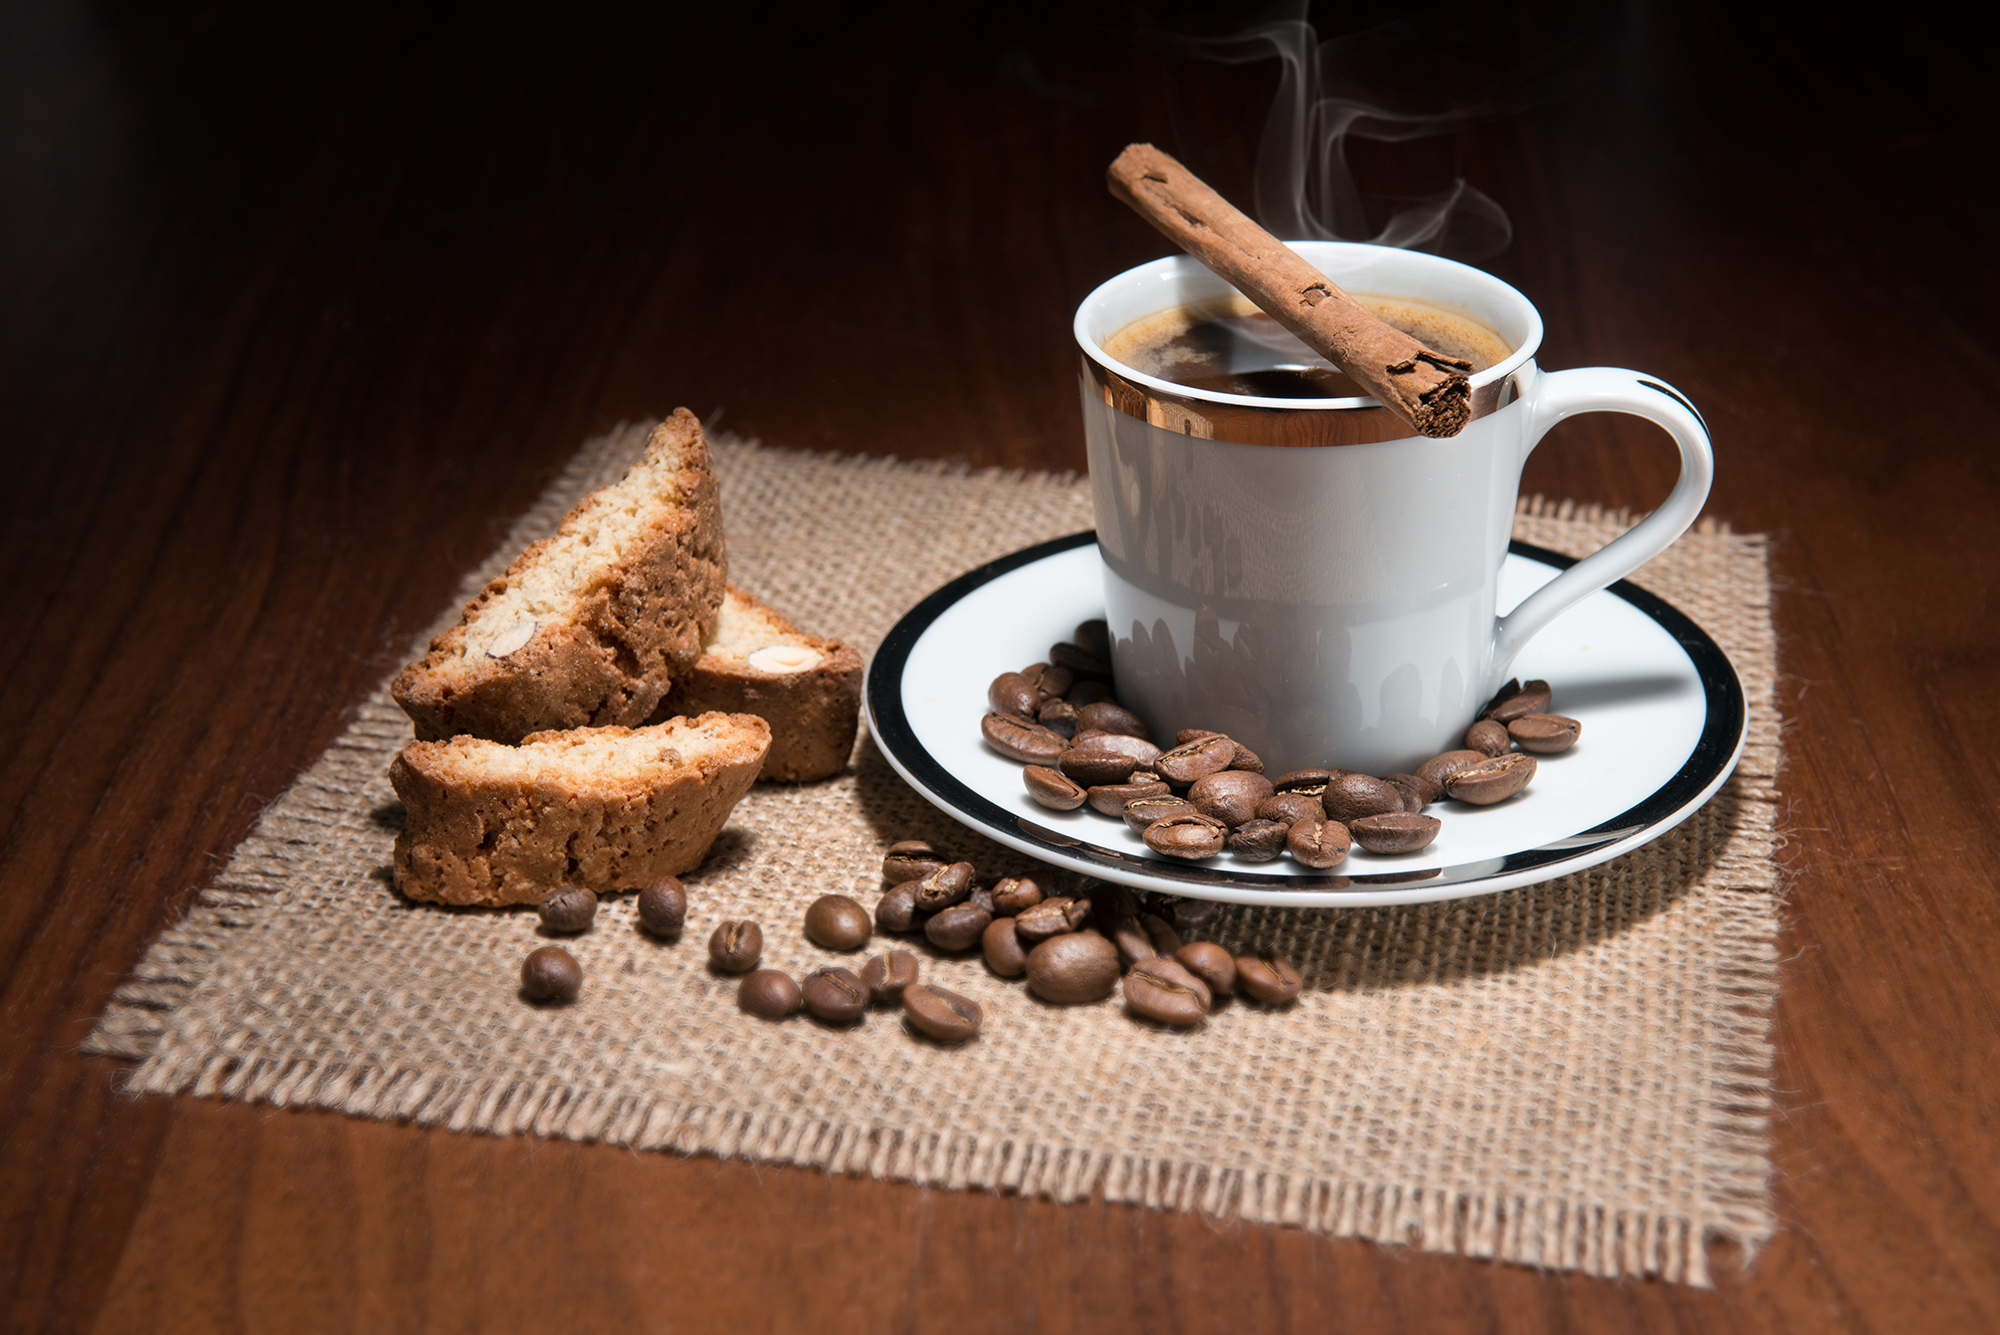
1054 682
1317 843
551 974
1012 894
1143 811
1265 975
1403 832
1058 716
1141 750
1192 760
1186 735
735 947
1418 792
1439 769
1080 661
1110 716
663 907
1230 796
1053 789
1012 693
910 860
1495 781
1110 798
1093 766
1131 939
1051 917
1018 739
941 889
981 898
1507 706
1073 968
1288 807
1191 837
569 909
1261 840
1109 902
941 1013
769 993
1246 759
1165 939
837 923
1210 963
1037 673
958 927
1545 734
1190 917
888 974
1086 691
1311 782
1489 738
1165 990
1093 636
836 994
1006 954
897 909
1352 796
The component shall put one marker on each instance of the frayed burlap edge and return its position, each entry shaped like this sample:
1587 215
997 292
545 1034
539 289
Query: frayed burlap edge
1543 1231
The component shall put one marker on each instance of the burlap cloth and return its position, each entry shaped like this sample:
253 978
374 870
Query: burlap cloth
1573 1075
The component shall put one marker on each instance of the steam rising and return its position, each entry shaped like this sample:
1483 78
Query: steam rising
1305 189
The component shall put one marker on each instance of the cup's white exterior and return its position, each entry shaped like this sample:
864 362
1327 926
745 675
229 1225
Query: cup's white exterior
1335 605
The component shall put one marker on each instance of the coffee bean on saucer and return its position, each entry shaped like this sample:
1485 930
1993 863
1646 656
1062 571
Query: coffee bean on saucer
1012 693
1507 706
1166 991
1051 917
769 994
1110 716
1191 837
1012 894
941 1013
1094 766
735 947
551 974
1495 781
1088 690
1230 796
1265 975
1080 661
896 911
663 907
1210 963
1058 716
1349 797
837 923
1288 807
1109 799
1193 760
1094 637
1488 737
1006 954
1073 968
1142 751
1439 769
1309 782
1317 843
888 974
944 887
836 994
1260 840
1402 832
1246 759
1143 811
1186 735
1018 739
1418 792
958 927
910 859
1053 789
1052 682
568 909
1545 734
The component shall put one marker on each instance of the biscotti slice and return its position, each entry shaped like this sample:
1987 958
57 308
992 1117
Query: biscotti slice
591 625
807 687
604 808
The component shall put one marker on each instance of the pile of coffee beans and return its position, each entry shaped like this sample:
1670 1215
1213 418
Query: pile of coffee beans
1208 792
551 973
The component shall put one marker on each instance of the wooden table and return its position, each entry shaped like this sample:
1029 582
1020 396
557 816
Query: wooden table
296 313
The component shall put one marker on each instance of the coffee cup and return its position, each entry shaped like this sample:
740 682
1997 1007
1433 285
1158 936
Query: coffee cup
1309 575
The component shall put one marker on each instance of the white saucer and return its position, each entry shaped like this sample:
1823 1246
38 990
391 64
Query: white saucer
1662 711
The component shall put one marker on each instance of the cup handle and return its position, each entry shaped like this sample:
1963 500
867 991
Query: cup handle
1560 394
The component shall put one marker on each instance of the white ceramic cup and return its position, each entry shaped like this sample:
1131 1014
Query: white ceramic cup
1304 574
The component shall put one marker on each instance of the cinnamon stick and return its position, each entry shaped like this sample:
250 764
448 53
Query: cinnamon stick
1426 389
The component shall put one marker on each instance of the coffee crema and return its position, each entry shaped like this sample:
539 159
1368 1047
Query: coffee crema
1228 346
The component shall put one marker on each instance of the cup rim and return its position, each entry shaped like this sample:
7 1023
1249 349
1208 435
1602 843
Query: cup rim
1328 257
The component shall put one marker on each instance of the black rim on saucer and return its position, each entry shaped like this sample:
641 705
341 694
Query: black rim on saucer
1722 729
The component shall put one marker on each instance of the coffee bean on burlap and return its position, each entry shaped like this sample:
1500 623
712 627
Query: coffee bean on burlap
1317 843
1261 840
1006 954
1012 693
1230 796
1110 716
1403 832
835 993
735 947
1053 789
1011 894
886 975
958 927
1095 766
1495 781
1190 917
945 887
769 993
1110 798
1545 734
1510 704
1165 990
1131 939
1289 807
837 923
551 974
1349 797
1488 737
1190 838
1165 939
1143 811
1019 739
941 1013
1051 917
663 907
1073 968
1210 963
896 911
1439 769
571 908
1193 760
909 860
1265 975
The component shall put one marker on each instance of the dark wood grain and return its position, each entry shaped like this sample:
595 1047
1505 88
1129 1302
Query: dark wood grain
297 311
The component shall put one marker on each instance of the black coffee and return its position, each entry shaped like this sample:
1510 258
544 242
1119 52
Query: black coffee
1231 347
